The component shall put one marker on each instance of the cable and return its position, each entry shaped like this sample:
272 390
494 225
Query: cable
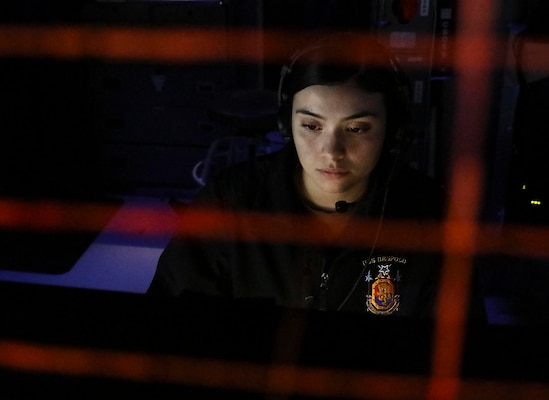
378 230
379 224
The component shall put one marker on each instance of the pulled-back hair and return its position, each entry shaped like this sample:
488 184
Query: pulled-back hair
353 59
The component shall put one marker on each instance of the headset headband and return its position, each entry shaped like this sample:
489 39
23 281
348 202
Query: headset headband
389 62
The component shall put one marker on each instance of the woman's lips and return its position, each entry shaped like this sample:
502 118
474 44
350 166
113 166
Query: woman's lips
332 173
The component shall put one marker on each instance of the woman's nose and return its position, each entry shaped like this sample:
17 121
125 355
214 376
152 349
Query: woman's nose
334 144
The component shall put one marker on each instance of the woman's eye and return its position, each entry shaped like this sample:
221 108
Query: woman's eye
310 127
359 129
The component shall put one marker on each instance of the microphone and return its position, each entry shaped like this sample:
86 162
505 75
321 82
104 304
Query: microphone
342 206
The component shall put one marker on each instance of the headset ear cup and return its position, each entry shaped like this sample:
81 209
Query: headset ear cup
283 130
283 127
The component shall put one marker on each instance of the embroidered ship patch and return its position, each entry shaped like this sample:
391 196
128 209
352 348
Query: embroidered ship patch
382 297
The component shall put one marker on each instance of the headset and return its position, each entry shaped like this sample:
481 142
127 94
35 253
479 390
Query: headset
336 41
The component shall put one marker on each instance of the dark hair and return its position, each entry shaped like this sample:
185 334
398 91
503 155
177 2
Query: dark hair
347 58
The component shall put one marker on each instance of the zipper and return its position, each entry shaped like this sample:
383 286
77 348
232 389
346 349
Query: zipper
323 295
329 263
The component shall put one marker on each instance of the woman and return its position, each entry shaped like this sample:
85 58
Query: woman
343 107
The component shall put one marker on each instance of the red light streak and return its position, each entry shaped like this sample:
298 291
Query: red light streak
460 236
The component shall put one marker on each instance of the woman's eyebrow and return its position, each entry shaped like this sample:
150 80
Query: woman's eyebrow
308 112
362 114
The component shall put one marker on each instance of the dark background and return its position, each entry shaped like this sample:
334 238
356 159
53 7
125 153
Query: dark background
91 128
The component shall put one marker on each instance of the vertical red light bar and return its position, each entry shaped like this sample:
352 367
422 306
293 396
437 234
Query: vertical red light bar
473 64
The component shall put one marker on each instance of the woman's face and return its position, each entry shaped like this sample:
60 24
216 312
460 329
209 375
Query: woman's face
338 133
